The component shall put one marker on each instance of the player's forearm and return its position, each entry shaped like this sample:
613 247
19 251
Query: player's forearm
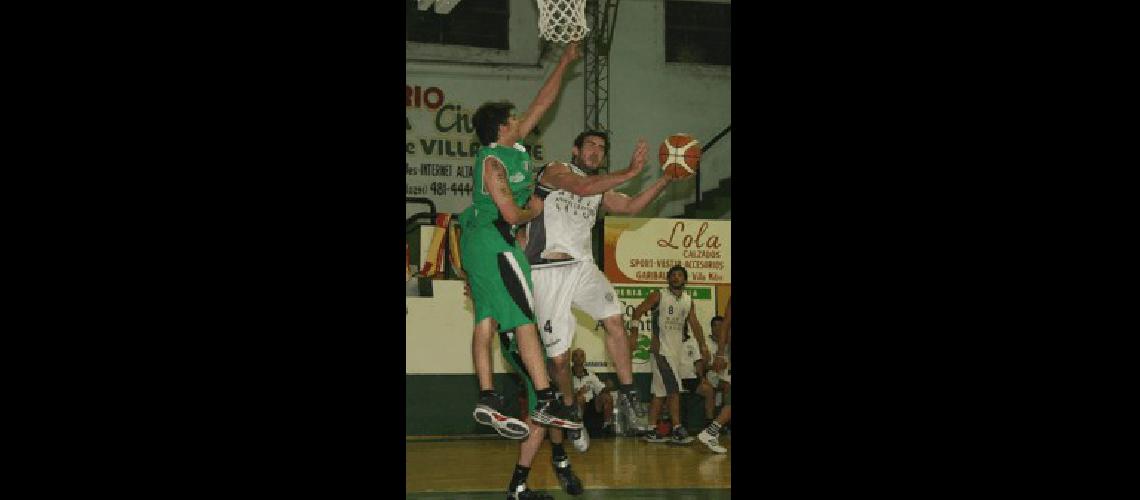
639 202
523 215
598 184
721 338
549 91
700 335
520 215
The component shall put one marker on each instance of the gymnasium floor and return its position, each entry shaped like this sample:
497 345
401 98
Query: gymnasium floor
625 468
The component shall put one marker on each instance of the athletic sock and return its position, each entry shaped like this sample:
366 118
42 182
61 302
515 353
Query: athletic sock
545 394
557 452
490 393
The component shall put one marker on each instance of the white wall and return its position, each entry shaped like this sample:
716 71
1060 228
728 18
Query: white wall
648 98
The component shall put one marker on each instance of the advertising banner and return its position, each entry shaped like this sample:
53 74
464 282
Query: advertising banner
642 250
441 144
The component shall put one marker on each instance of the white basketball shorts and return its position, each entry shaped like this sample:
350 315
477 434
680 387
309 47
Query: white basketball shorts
666 379
687 369
557 288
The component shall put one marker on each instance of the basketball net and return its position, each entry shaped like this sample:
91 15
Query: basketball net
562 21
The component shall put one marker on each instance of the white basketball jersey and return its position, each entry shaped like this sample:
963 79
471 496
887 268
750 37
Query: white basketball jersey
565 225
671 322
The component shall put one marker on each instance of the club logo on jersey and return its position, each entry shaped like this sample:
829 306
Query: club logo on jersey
518 177
609 297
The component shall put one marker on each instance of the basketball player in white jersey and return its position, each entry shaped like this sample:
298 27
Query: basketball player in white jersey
560 252
672 317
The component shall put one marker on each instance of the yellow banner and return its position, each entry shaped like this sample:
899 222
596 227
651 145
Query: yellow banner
639 250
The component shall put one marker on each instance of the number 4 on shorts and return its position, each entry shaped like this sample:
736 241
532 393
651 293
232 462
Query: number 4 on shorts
546 328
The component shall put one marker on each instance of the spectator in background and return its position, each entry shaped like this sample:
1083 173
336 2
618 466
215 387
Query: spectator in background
593 397
722 363
710 383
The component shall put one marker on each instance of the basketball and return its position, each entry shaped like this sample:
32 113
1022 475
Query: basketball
680 155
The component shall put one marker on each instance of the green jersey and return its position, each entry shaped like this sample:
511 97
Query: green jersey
496 268
483 212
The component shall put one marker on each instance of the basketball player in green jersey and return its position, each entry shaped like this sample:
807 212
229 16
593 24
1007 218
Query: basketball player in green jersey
499 274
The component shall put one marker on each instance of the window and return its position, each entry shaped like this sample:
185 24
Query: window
473 23
698 32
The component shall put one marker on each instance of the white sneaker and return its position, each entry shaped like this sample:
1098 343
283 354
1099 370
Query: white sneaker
711 442
509 427
581 440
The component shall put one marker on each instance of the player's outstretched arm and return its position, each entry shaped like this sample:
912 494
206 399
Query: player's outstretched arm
549 91
559 175
621 203
645 305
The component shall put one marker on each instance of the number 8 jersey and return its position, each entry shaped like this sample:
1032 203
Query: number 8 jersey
671 322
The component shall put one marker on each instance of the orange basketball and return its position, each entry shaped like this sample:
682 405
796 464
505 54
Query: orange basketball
680 155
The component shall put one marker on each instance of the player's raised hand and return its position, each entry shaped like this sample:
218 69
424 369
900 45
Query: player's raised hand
638 161
571 53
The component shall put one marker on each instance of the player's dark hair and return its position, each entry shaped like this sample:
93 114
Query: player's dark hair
592 133
605 136
678 268
487 119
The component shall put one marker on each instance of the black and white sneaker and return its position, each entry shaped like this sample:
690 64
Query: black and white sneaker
487 412
570 482
553 412
710 440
